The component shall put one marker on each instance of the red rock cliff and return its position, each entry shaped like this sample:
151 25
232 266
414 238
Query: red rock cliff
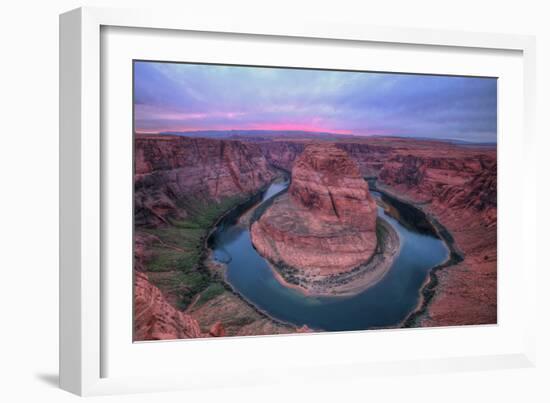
155 318
170 170
282 154
458 185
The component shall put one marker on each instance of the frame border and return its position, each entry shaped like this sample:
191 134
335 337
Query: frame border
80 242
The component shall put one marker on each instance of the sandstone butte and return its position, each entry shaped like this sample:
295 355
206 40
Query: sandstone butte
326 223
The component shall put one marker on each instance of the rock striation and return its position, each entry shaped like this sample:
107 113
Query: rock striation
326 182
458 186
174 172
176 179
282 154
325 225
155 318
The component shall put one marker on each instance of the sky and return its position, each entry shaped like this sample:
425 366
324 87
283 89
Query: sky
190 97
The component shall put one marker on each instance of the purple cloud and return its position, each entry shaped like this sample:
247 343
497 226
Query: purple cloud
180 97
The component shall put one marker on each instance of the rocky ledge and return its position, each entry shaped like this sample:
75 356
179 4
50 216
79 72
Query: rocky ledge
321 236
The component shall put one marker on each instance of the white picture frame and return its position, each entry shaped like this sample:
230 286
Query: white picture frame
83 184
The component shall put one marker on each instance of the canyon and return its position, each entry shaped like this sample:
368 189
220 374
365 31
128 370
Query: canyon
184 185
456 184
158 319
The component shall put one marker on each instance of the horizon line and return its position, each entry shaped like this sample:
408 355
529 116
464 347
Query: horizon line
400 136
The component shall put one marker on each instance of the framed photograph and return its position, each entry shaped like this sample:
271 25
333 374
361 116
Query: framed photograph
253 194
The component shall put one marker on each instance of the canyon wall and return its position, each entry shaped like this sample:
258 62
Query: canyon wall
457 186
182 185
173 173
369 157
282 154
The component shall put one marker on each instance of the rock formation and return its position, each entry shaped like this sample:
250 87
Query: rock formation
282 154
326 223
458 186
175 177
217 330
328 183
174 171
155 318
454 183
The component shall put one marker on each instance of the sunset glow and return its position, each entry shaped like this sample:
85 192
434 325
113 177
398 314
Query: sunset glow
173 97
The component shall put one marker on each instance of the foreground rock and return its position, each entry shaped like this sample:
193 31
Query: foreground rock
324 227
155 318
228 315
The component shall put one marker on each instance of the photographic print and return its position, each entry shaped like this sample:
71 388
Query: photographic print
273 200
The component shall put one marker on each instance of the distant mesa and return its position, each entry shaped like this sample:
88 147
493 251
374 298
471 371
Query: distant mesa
325 225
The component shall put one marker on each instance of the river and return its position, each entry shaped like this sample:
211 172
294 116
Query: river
385 304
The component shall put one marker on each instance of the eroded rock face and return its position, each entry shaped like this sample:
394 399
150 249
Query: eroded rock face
155 318
282 154
174 177
369 157
326 182
217 330
457 185
326 223
172 172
